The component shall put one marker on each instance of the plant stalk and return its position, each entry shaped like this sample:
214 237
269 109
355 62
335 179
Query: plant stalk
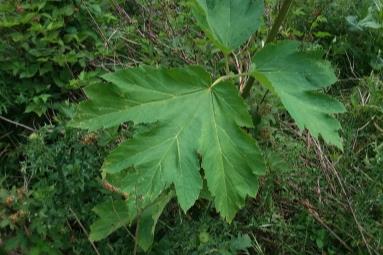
17 124
227 68
279 20
271 36
227 77
136 233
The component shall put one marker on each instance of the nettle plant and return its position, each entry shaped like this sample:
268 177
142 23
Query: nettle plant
198 125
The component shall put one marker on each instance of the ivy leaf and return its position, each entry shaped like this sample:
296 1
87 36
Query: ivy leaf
194 121
295 77
229 23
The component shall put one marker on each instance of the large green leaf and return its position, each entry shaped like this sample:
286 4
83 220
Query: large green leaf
295 77
229 23
194 121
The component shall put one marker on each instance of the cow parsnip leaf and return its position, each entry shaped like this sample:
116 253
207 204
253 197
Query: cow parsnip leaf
229 23
193 120
296 77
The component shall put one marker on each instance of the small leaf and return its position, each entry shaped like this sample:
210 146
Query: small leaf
240 243
113 215
38 104
295 76
229 23
148 221
204 237
367 22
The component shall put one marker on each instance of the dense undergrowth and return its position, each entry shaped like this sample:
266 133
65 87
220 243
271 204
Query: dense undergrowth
313 200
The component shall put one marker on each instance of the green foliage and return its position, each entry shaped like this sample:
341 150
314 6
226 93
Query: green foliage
56 173
50 179
349 31
116 214
293 76
45 44
110 220
228 23
365 23
168 154
203 235
190 142
148 220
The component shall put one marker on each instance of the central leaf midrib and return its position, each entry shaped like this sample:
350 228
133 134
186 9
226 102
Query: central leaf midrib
170 98
219 145
164 93
175 141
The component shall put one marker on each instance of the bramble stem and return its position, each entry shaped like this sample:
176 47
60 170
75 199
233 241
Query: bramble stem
17 124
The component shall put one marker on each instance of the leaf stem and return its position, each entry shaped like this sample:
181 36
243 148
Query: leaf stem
262 100
272 34
227 68
138 221
228 77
